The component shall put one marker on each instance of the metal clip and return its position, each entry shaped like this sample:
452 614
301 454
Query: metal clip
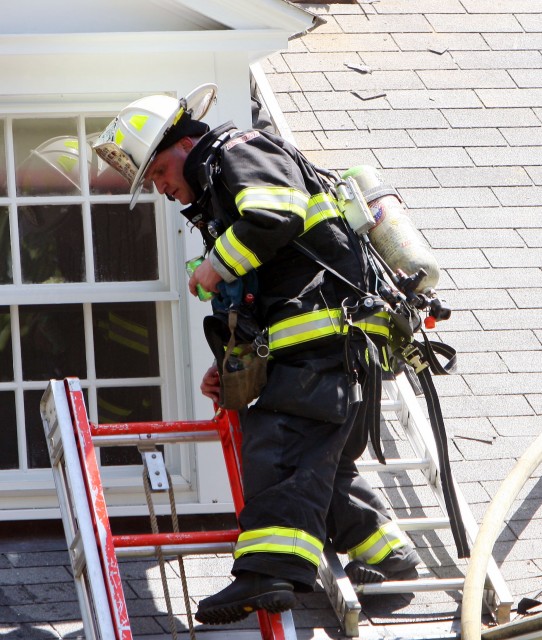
261 347
355 393
347 312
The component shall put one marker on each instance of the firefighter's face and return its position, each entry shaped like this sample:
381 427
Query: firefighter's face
166 171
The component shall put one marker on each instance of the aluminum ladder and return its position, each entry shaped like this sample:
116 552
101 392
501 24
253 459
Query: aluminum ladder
94 550
401 402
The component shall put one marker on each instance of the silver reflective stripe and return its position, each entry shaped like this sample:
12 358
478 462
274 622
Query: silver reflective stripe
380 544
321 207
318 324
273 199
279 540
235 254
308 326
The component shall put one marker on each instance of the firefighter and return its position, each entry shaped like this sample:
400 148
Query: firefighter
253 196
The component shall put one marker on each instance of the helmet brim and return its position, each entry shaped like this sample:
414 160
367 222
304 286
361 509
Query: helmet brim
197 104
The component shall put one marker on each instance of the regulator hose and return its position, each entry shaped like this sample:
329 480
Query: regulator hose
483 546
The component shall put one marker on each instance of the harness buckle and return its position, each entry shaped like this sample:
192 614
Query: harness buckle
414 357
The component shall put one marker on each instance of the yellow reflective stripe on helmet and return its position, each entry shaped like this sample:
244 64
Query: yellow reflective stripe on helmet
321 207
320 324
138 121
235 254
71 144
380 544
178 116
67 162
279 540
274 199
119 137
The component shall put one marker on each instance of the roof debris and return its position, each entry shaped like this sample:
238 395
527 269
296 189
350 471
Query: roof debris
438 50
369 96
362 68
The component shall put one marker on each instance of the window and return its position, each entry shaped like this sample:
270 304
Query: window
84 282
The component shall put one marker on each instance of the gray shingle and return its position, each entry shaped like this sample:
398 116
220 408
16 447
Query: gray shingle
441 41
434 99
505 340
427 157
495 98
514 257
473 23
509 117
480 137
404 119
385 24
496 278
515 217
481 176
458 79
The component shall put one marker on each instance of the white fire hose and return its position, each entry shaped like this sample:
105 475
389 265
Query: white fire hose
489 530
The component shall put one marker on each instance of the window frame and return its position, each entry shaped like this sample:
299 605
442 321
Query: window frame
23 489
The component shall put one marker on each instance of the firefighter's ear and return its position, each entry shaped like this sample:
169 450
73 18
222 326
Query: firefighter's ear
186 143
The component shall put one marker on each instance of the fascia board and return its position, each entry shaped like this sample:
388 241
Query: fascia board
250 14
144 42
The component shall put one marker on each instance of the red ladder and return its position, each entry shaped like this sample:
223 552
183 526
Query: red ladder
71 441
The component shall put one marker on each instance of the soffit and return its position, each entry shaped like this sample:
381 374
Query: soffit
118 16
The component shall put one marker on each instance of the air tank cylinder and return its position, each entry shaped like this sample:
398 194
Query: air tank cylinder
393 234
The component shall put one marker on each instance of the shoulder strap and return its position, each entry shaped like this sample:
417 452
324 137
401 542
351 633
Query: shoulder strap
310 254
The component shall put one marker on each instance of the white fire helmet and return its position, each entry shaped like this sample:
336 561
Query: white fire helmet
130 141
62 154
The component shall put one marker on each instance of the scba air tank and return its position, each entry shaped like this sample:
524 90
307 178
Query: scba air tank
394 235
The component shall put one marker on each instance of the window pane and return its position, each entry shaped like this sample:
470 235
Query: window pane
3 176
47 156
128 404
37 455
6 350
51 240
6 276
125 340
52 341
124 243
9 456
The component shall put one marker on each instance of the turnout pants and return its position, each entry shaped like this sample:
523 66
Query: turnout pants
301 488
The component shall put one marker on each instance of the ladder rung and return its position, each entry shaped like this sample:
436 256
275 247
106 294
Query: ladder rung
391 405
421 524
395 464
412 586
174 550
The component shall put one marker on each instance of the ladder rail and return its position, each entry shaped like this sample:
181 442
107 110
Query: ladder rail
402 401
497 596
93 549
98 508
76 516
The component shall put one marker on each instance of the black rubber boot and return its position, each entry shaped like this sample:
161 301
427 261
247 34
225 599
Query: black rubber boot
391 568
247 593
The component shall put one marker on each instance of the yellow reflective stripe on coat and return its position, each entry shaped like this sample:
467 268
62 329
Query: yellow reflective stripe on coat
379 545
279 540
273 199
321 207
235 254
321 324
